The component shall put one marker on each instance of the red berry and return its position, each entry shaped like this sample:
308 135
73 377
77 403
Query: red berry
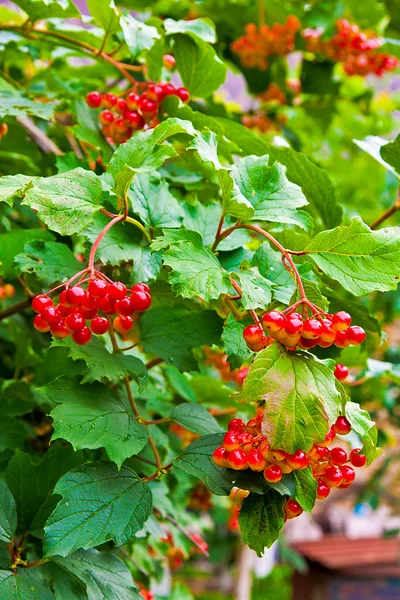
40 302
231 440
120 125
121 106
117 290
140 301
341 321
253 334
338 456
82 337
273 474
328 334
220 456
40 324
245 438
341 372
255 460
106 117
99 325
294 324
183 94
169 61
122 324
357 459
134 120
298 460
106 304
328 438
109 100
236 425
155 92
75 321
355 335
237 459
147 107
307 343
75 295
59 331
88 313
342 426
323 490
333 476
51 315
63 299
93 99
320 452
141 287
169 89
311 329
273 321
132 101
341 340
292 509
348 474
124 307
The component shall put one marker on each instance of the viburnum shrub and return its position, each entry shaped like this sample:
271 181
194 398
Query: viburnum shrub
198 293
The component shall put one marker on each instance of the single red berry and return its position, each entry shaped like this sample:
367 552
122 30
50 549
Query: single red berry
341 321
82 337
333 476
141 287
9 290
40 324
341 340
298 460
355 335
108 100
155 92
169 89
220 456
147 107
75 321
106 117
307 343
122 324
134 119
338 456
273 321
88 313
63 299
120 125
140 301
341 372
328 438
237 459
117 290
253 334
183 94
348 474
245 439
169 61
342 426
93 99
231 440
124 307
294 324
106 304
40 302
328 334
255 460
235 425
321 452
311 329
99 325
51 315
121 106
75 295
65 310
357 459
97 288
323 490
292 508
132 101
59 331
273 473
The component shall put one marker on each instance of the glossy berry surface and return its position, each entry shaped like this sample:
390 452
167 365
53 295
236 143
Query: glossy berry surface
341 372
99 325
342 426
93 99
273 474
338 456
292 509
237 459
357 459
82 337
355 335
323 490
40 302
140 300
117 290
341 321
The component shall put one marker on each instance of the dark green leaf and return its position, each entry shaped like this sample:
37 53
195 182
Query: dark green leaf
362 425
23 585
195 418
13 242
234 344
256 290
154 203
8 513
306 488
50 261
391 154
105 13
261 520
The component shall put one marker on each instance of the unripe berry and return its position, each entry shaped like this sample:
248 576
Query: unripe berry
311 329
108 100
97 288
40 302
341 340
355 335
220 456
169 61
75 321
40 324
273 321
237 459
292 509
99 325
59 331
348 474
183 94
236 425
132 101
9 290
253 334
93 99
122 324
273 474
256 461
341 372
155 92
333 476
51 315
231 440
321 452
82 337
121 106
140 301
298 460
341 321
338 456
323 490
117 290
106 117
328 334
342 426
75 295
357 459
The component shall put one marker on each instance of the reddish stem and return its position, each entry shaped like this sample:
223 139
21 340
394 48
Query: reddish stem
98 240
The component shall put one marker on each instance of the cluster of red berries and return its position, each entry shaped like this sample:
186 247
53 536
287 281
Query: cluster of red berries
121 117
244 447
261 122
258 43
273 93
219 361
290 330
76 306
3 130
6 291
356 49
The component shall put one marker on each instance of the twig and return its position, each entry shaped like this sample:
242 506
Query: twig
154 362
179 527
388 213
14 308
38 136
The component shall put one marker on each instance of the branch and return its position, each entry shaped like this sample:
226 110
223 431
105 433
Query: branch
38 136
14 308
388 213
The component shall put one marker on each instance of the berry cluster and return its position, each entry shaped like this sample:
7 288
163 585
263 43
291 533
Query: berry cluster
273 93
3 130
244 447
76 306
356 49
259 43
290 330
6 291
260 121
219 361
121 117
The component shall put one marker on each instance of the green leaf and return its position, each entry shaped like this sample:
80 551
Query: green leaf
203 29
261 520
234 344
23 585
14 104
272 195
16 398
105 13
49 261
313 293
12 434
99 504
301 395
64 586
256 290
362 425
92 416
373 145
391 154
12 187
195 418
172 335
196 272
270 265
153 202
138 35
13 242
103 366
361 260
103 574
201 70
48 9
8 513
306 488
180 384
67 202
